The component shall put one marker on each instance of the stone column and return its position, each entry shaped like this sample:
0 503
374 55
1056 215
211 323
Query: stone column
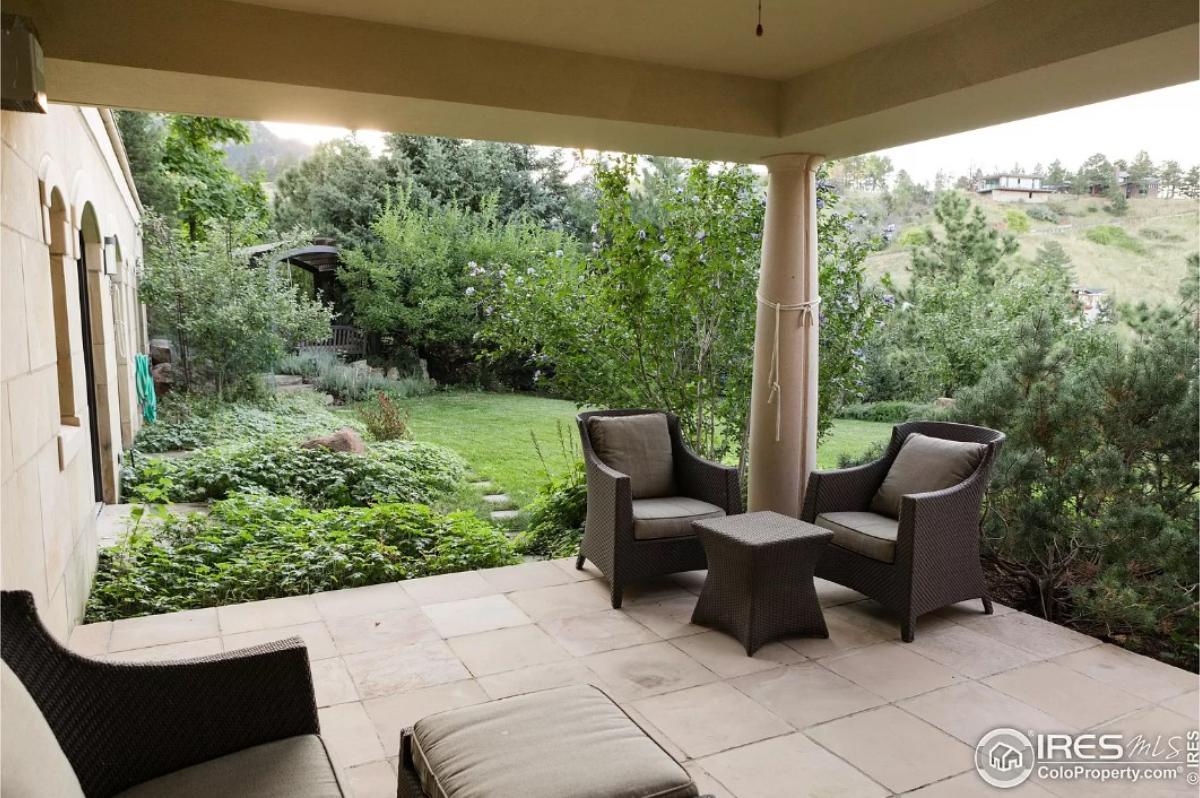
783 405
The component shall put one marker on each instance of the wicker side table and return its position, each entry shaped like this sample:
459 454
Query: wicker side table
760 577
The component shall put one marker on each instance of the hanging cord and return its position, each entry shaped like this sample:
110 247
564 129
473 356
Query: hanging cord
808 316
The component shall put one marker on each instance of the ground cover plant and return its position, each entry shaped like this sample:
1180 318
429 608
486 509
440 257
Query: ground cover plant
192 422
347 383
393 471
259 547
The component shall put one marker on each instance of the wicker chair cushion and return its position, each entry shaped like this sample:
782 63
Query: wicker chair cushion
32 763
296 767
869 534
925 464
573 741
670 516
639 447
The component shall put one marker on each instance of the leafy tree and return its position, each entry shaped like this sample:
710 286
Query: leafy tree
968 240
1190 187
1172 176
230 319
468 173
906 196
336 192
661 312
415 284
1142 168
208 189
1057 175
876 169
1095 172
143 136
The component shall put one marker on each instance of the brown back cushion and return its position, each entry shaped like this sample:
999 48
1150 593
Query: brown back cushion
639 447
925 464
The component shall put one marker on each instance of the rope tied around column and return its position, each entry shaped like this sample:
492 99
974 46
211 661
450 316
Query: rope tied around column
808 316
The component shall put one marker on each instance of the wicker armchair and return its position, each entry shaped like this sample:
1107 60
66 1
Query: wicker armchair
124 724
936 545
609 538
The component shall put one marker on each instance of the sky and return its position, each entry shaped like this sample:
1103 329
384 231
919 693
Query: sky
1165 123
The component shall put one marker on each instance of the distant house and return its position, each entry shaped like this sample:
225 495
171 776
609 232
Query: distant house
1092 302
1132 188
1144 188
1013 188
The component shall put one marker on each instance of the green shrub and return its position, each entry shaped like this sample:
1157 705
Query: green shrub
384 420
913 237
399 471
347 383
1043 213
1017 221
556 516
892 412
258 547
190 423
1112 236
1164 236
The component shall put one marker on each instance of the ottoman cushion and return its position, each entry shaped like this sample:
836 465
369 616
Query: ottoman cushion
572 741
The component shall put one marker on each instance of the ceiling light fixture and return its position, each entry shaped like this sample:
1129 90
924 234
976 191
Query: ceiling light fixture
758 30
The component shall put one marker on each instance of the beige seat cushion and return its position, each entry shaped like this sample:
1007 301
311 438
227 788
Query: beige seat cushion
670 516
31 761
924 464
868 534
296 767
639 447
573 741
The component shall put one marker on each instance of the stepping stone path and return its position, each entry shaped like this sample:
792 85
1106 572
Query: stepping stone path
499 500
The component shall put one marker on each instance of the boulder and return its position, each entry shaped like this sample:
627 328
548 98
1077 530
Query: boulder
944 403
393 373
164 378
160 351
344 440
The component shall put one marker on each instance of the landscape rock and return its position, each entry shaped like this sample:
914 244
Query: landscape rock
164 378
344 440
393 373
160 351
944 403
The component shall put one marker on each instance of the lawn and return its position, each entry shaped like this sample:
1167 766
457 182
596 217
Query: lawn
492 432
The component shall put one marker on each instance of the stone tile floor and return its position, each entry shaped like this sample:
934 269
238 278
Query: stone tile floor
859 714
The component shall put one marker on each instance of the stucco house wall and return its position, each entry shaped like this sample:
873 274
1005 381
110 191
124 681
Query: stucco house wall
66 197
1017 195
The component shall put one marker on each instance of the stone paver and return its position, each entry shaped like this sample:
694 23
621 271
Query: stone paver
158 630
468 616
710 718
896 749
503 515
510 649
497 498
892 670
858 714
1075 699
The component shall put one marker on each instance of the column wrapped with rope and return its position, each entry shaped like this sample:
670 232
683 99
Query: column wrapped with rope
783 413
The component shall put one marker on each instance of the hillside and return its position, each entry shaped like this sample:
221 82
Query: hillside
265 153
1145 263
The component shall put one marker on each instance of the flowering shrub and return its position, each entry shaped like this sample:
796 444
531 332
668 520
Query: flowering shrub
258 547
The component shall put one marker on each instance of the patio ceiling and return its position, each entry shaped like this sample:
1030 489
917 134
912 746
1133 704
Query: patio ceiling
679 77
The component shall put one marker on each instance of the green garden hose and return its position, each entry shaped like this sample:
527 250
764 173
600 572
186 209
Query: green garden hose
145 389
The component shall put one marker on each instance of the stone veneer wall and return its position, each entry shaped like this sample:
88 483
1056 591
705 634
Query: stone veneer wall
62 195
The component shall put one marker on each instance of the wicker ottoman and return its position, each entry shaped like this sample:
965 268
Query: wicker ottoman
760 577
570 742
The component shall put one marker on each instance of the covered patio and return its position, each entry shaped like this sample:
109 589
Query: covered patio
859 714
